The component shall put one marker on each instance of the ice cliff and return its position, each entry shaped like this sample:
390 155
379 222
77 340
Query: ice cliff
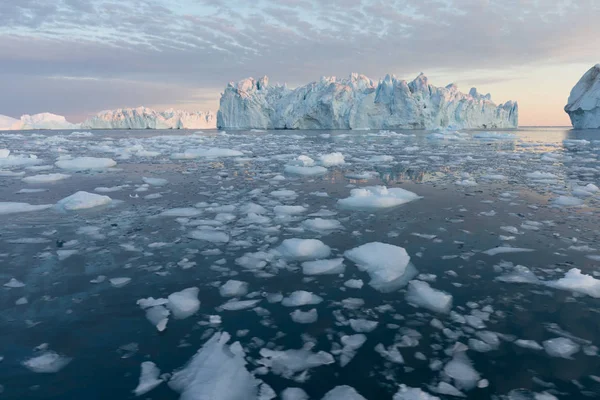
146 118
359 103
36 121
584 102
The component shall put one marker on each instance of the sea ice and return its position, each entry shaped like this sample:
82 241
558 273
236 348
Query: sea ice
567 201
233 288
321 225
287 363
86 163
83 200
119 282
361 325
409 393
561 347
421 294
155 181
331 159
303 249
343 393
462 372
301 298
14 283
234 305
185 303
47 363
213 152
209 235
503 250
304 317
148 378
13 207
323 267
376 197
575 281
45 178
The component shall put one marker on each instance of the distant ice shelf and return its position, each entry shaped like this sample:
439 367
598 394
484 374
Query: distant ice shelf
36 121
360 103
147 118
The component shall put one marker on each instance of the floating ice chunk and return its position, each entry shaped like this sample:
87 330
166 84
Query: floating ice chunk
185 303
343 393
293 393
148 378
151 302
362 325
321 225
45 178
284 194
409 393
354 283
448 389
388 265
304 317
290 362
301 298
233 305
303 249
351 345
209 235
466 182
119 282
13 208
503 250
376 197
561 347
495 136
216 372
47 363
233 288
158 316
391 354
86 163
155 181
64 254
27 191
422 295
103 189
362 175
83 200
540 175
183 212
528 344
4 153
213 152
575 281
323 267
331 159
305 171
462 372
567 201
14 283
253 208
289 210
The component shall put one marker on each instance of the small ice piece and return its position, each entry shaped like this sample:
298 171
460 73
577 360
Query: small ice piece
305 171
303 249
321 225
83 200
284 194
14 283
213 152
343 392
4 153
289 210
48 362
151 302
216 372
362 325
119 282
376 197
288 363
323 267
181 212
294 393
567 201
301 298
354 283
410 393
448 389
148 378
422 295
184 303
561 347
528 344
64 254
158 316
13 207
388 265
233 305
21 301
351 345
539 175
233 288
155 181
462 372
466 182
391 354
45 178
86 163
504 250
302 317
331 159
575 281
209 235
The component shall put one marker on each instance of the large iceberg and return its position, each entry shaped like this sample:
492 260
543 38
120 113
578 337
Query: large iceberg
36 121
359 103
584 101
146 118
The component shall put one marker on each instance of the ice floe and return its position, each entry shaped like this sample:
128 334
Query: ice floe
376 197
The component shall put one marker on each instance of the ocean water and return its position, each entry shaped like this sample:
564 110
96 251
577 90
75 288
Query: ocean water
523 189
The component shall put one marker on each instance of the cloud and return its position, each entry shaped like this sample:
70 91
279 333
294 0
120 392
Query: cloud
193 45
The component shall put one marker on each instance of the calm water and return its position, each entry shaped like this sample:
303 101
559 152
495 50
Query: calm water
473 186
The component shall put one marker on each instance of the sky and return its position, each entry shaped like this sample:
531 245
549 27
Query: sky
78 57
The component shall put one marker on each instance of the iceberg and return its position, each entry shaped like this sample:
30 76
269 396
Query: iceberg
583 105
359 103
36 121
147 118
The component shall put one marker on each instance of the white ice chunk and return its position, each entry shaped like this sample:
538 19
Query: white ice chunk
83 200
13 208
561 347
462 372
304 317
47 363
289 362
14 283
321 225
148 378
45 178
119 282
323 267
289 210
182 212
575 281
567 201
303 249
351 345
306 171
301 298
503 250
86 163
421 294
155 181
362 325
233 305
409 393
331 159
376 197
209 235
233 288
213 152
184 303
343 393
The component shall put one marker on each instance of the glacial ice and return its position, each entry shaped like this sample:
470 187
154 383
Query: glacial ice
359 103
83 200
185 303
388 265
583 105
575 281
376 197
146 118
35 121
421 294
303 249
86 163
